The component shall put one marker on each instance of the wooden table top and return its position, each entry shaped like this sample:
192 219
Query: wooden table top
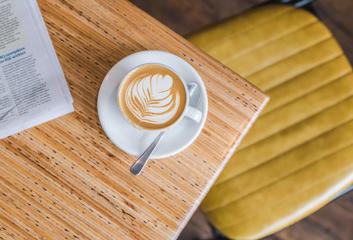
65 180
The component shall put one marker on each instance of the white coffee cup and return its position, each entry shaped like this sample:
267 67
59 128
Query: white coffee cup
188 111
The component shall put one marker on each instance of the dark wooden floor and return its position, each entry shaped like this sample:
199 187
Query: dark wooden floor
333 222
189 16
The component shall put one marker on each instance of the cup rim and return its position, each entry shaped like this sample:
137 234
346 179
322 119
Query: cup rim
159 129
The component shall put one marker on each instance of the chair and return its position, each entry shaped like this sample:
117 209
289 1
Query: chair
299 154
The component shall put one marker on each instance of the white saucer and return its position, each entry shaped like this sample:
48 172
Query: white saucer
135 141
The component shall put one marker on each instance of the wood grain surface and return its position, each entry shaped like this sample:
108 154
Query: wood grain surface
65 180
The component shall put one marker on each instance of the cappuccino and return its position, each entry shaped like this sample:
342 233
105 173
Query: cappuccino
152 97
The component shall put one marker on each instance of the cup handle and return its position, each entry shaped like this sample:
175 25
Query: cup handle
194 114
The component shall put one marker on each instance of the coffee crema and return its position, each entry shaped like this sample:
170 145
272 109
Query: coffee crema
152 97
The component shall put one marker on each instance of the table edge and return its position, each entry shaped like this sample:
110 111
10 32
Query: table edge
210 183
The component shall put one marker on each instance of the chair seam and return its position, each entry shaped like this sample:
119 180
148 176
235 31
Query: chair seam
335 56
303 190
349 70
250 28
333 80
285 176
322 133
326 38
308 116
278 37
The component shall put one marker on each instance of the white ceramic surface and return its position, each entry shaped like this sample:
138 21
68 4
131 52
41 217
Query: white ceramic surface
135 141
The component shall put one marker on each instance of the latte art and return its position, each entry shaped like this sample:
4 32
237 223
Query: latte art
152 97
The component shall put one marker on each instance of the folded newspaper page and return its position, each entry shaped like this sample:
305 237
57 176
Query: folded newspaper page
33 89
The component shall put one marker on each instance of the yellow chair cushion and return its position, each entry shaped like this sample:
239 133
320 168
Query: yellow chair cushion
299 154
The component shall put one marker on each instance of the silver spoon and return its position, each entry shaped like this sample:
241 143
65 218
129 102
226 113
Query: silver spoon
142 161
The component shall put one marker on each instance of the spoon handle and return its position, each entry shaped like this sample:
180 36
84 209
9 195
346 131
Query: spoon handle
141 162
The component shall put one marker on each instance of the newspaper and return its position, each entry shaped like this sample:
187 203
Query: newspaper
33 89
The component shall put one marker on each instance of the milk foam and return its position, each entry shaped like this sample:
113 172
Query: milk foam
153 99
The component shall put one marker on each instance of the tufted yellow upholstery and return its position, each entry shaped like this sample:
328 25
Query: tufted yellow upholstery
299 154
